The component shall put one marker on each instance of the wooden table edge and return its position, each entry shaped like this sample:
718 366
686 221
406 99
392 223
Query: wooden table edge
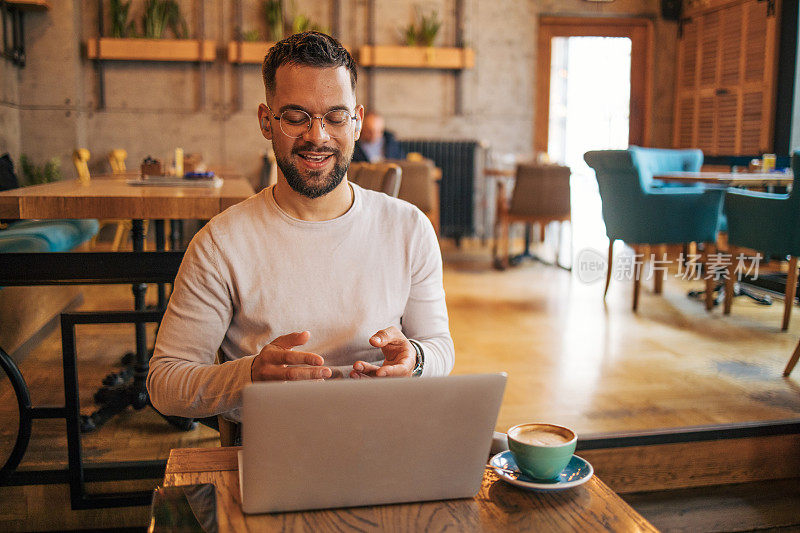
225 459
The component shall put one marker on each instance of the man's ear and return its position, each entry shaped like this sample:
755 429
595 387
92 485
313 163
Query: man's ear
264 123
359 121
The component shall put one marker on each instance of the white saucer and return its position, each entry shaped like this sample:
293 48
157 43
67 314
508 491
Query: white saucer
577 472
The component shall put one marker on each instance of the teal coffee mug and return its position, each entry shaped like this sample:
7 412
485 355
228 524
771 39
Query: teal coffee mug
542 451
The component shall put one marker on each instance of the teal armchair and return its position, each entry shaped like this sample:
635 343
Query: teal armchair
639 212
768 223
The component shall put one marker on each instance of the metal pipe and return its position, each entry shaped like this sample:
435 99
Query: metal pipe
202 30
98 63
458 100
336 21
239 103
371 32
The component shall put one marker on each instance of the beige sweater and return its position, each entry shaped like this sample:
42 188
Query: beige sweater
254 273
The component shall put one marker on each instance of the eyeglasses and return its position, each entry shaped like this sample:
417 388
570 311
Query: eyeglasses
296 122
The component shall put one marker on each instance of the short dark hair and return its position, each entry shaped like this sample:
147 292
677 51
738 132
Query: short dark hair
309 48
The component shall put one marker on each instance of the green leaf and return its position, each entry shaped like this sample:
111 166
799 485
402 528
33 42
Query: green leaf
35 175
410 34
428 28
273 14
120 26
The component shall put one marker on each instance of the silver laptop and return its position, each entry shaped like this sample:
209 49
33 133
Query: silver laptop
344 443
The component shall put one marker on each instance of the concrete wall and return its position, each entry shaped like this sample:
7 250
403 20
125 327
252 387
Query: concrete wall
151 108
10 137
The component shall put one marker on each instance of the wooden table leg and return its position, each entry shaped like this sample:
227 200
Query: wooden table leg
730 280
609 266
791 288
658 274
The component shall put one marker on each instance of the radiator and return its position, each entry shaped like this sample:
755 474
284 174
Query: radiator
457 159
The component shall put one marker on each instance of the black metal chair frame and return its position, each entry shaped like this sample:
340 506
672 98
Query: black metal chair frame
80 268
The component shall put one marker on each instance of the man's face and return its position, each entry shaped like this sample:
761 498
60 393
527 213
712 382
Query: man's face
373 128
315 163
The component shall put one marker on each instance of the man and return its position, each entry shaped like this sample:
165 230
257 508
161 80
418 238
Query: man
375 143
311 278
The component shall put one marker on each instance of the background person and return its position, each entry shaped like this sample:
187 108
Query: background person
375 143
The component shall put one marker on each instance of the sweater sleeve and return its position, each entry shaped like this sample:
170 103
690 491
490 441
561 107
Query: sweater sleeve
425 317
183 379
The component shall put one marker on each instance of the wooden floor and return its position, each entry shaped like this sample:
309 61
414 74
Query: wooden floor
571 359
574 360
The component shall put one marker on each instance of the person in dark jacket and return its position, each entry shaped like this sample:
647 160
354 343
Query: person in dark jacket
375 143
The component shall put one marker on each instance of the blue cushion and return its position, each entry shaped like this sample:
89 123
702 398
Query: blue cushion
23 243
61 235
654 161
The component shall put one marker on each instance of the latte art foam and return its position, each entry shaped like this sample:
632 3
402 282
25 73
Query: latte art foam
538 436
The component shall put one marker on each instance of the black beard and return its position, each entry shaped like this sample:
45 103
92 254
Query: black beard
305 185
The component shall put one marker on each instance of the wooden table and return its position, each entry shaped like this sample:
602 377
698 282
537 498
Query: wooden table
729 179
112 197
497 507
108 197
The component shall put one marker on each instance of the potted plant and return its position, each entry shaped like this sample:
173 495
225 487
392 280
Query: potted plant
33 174
158 17
121 27
428 28
160 14
273 15
423 33
419 37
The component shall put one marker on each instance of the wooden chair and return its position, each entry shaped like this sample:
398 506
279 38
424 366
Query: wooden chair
116 158
80 158
541 195
766 222
382 177
419 187
792 361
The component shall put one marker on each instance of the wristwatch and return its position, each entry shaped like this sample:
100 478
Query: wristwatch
420 359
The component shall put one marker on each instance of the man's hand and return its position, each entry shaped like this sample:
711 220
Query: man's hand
399 356
271 364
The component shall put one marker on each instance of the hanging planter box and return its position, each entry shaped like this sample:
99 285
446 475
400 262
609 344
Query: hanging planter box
416 57
151 49
29 5
248 52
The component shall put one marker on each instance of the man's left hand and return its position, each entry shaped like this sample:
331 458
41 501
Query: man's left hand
399 356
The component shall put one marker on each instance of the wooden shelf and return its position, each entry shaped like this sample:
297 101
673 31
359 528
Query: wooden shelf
248 52
416 57
251 52
151 49
29 5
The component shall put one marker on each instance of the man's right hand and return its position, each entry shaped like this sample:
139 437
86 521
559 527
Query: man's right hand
271 364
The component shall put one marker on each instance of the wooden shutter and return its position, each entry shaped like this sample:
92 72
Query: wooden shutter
725 78
685 127
709 49
705 127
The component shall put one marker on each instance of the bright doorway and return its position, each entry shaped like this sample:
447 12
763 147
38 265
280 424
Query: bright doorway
590 91
592 94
